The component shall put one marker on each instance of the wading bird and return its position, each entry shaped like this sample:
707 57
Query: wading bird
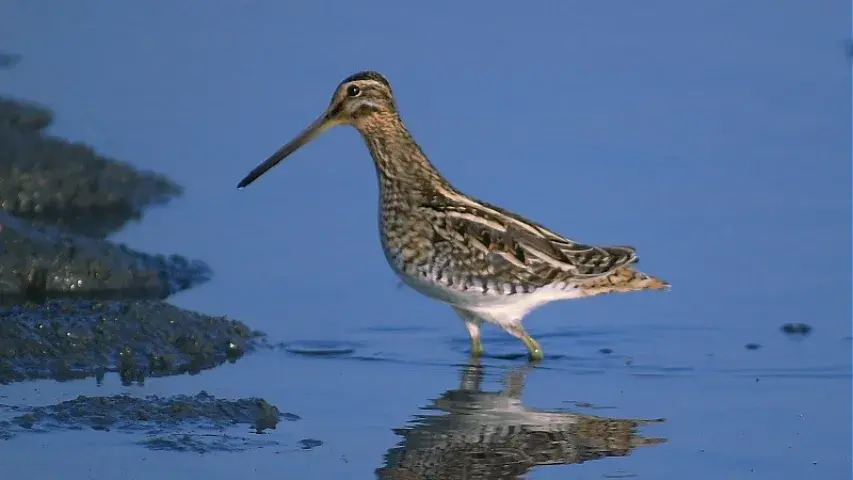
488 264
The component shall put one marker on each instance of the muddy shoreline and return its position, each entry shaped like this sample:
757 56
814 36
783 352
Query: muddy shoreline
74 304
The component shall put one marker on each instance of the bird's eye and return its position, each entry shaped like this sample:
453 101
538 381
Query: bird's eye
353 91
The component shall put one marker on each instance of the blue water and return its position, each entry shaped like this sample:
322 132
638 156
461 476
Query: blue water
715 138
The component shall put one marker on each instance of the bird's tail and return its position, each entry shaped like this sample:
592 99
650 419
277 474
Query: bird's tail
624 279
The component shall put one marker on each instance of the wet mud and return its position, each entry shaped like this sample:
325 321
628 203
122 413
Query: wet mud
73 304
199 423
53 181
23 116
477 434
37 263
68 339
58 200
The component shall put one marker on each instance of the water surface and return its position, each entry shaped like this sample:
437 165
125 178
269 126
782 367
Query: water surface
714 138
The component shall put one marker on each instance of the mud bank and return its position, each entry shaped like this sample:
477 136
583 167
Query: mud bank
53 181
38 262
68 339
74 304
58 199
199 423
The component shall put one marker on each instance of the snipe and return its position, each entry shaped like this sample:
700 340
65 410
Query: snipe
487 263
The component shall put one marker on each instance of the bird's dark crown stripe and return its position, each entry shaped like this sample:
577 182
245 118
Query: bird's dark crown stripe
368 75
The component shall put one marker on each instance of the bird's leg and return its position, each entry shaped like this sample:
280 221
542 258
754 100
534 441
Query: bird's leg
473 324
534 350
476 341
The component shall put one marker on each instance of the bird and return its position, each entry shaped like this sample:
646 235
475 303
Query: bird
490 265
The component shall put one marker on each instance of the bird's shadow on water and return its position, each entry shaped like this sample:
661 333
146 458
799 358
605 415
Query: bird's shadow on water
471 433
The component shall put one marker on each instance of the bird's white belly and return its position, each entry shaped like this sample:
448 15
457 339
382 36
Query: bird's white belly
434 289
443 293
493 306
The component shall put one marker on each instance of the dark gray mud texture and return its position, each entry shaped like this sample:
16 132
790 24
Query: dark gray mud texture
198 423
39 262
65 339
58 200
73 304
53 181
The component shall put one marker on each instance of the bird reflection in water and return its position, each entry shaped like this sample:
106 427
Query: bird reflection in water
492 435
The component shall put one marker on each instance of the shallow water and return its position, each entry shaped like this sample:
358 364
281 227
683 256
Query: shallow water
713 139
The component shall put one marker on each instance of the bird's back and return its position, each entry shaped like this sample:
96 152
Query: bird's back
450 246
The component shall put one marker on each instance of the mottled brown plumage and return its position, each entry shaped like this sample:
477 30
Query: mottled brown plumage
488 263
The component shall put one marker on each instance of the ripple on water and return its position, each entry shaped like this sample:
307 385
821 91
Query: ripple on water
321 348
395 329
830 372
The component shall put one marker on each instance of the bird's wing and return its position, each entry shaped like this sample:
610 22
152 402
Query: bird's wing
507 237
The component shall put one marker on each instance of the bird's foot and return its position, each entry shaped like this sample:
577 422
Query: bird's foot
534 350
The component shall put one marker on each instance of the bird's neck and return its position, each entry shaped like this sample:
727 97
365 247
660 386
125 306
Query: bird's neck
399 160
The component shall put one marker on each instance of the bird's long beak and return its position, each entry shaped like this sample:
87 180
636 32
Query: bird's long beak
319 126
